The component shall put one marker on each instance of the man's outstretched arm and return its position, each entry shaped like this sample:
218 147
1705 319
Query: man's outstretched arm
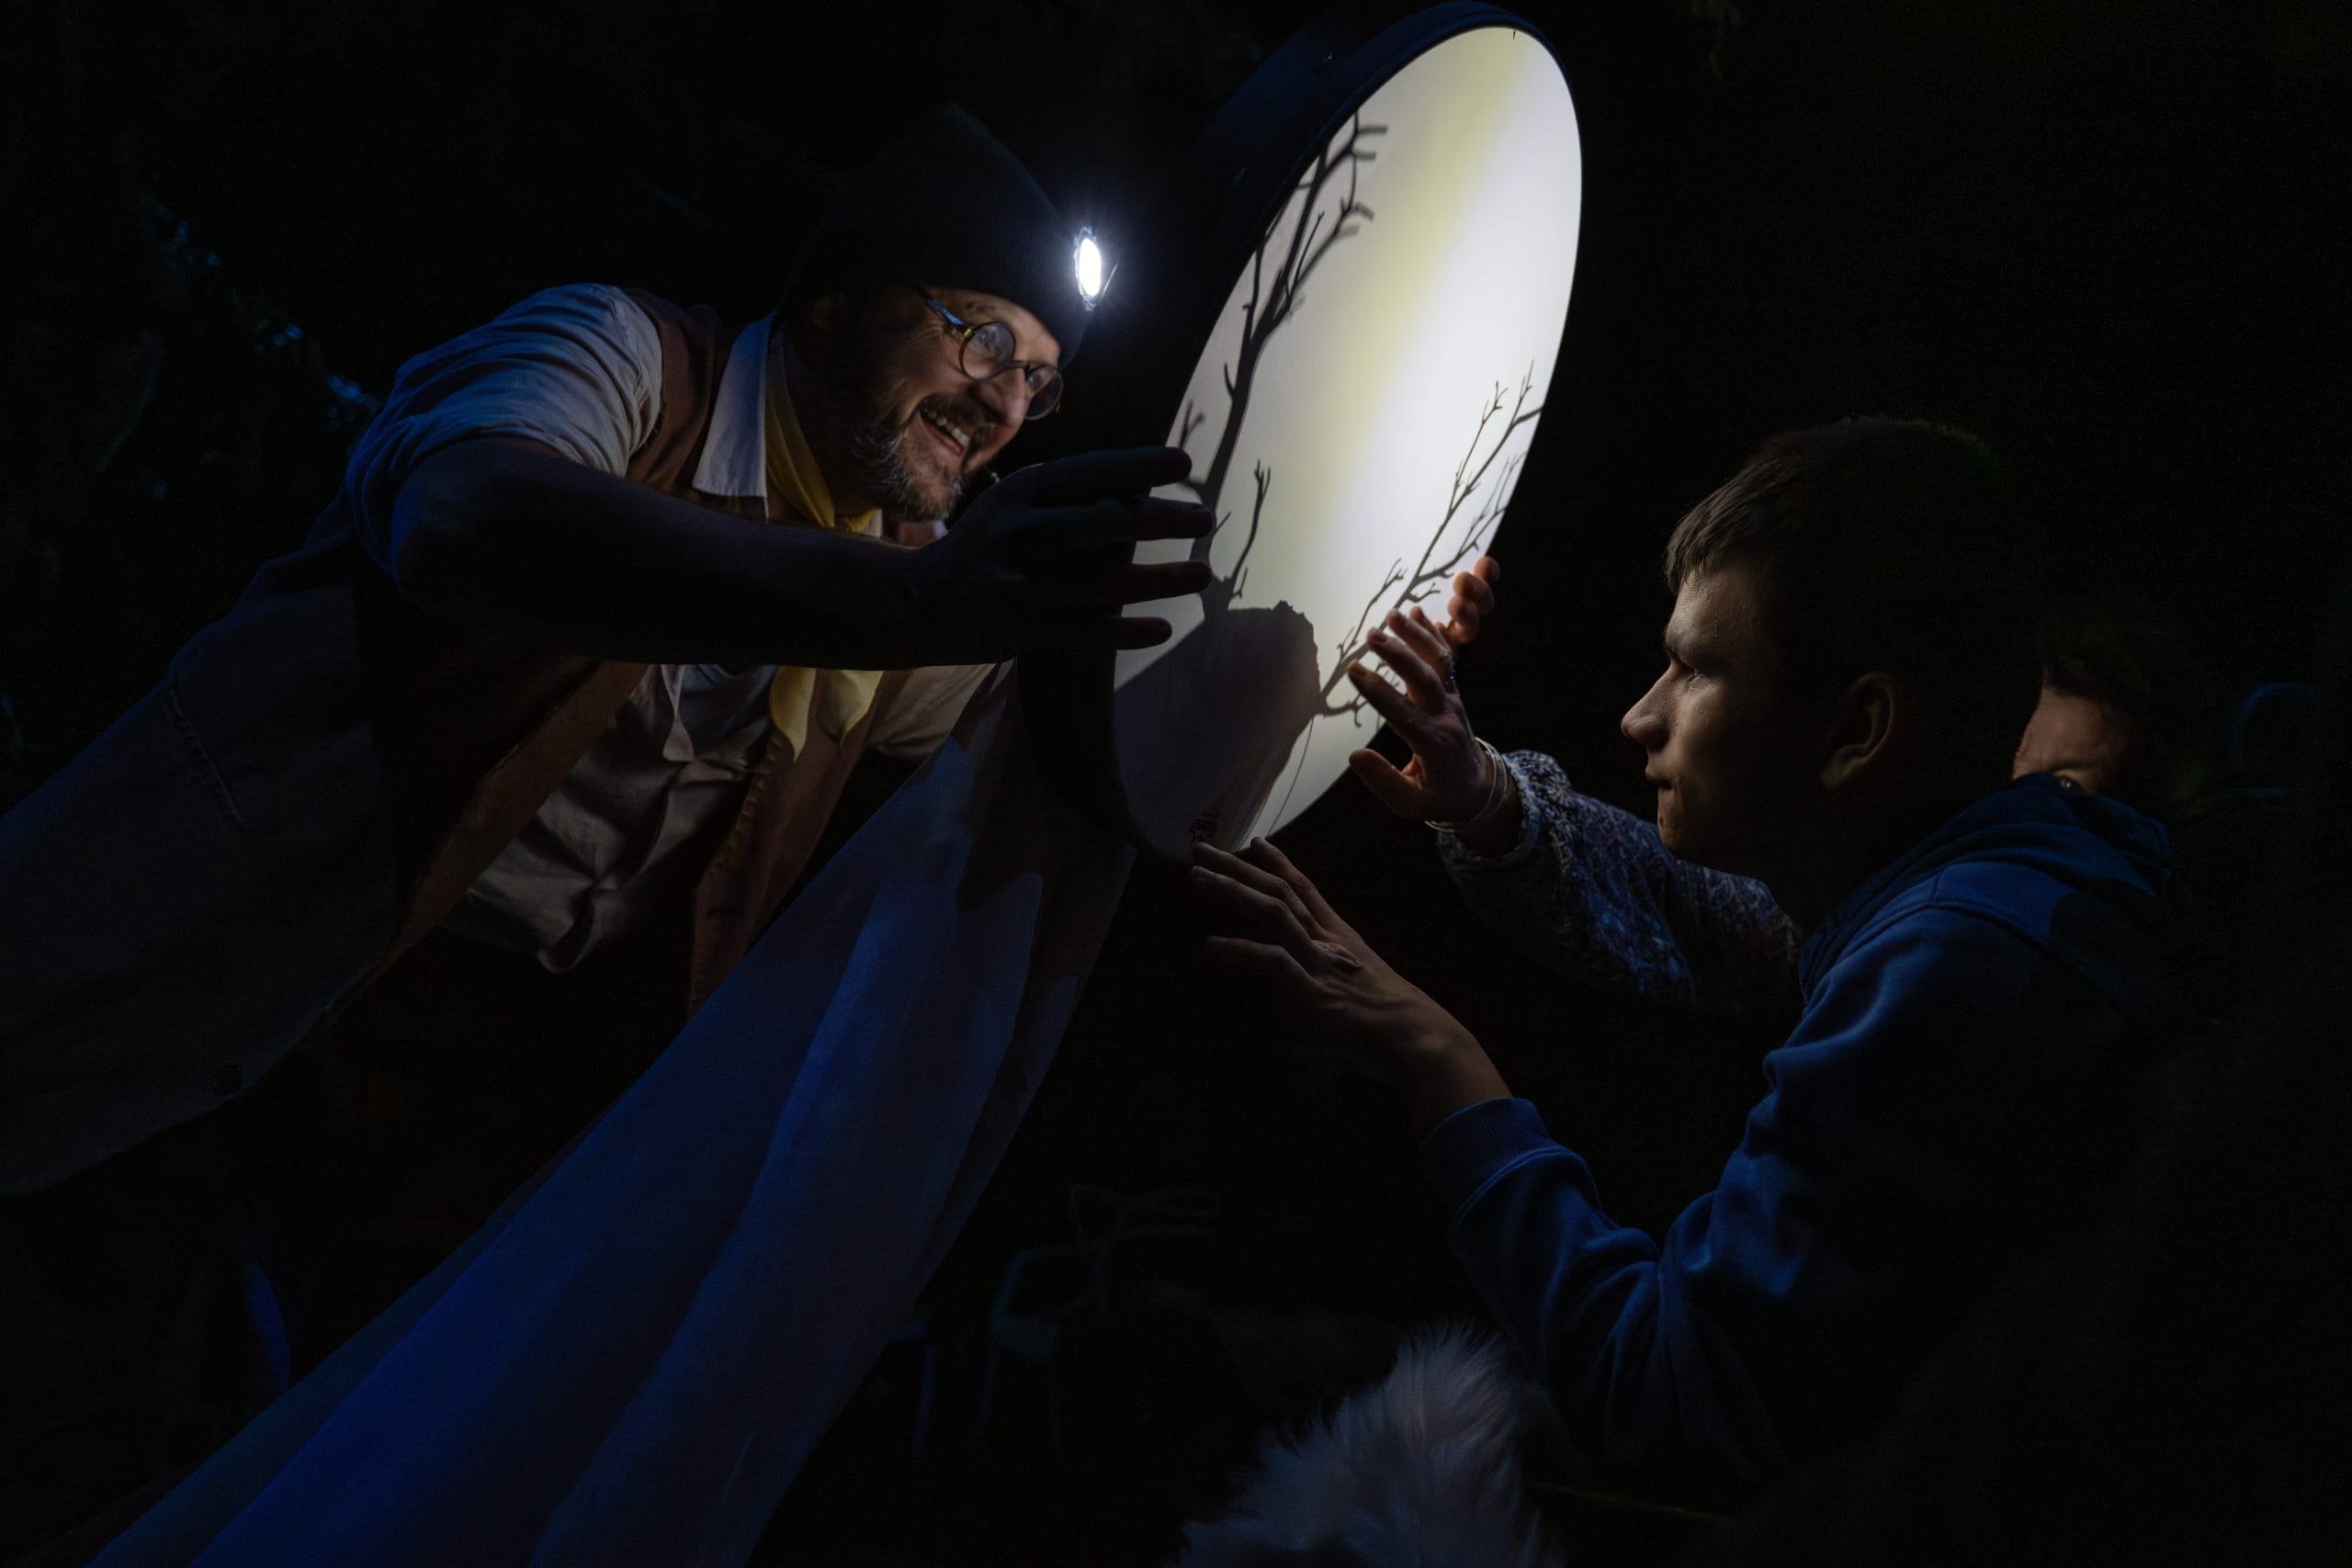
505 531
490 487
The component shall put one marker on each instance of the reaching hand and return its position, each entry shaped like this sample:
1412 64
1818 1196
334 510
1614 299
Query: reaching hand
1450 778
1329 982
1472 601
1042 559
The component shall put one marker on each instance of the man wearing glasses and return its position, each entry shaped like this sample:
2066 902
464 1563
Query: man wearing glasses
552 706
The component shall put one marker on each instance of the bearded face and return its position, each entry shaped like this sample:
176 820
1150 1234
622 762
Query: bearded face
910 428
916 470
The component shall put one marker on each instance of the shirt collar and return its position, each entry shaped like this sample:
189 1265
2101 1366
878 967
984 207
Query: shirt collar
734 450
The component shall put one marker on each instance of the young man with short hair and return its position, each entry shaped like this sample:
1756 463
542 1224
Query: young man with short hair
1849 663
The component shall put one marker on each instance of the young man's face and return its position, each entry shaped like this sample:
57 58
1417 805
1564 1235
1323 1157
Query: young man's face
921 427
1729 750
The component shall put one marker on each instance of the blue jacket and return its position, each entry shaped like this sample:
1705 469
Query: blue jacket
1967 1012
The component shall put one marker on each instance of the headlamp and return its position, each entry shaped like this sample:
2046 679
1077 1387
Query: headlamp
1088 258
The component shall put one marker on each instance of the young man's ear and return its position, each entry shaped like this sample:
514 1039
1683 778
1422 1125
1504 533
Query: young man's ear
1871 717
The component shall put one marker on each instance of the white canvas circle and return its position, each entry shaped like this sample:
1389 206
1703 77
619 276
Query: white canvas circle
1357 420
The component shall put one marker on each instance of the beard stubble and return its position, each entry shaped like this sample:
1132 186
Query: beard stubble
854 400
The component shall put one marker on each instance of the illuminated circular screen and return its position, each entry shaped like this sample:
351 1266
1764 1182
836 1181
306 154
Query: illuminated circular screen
1357 420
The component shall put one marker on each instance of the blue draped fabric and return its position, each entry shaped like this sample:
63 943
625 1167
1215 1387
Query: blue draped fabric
629 1362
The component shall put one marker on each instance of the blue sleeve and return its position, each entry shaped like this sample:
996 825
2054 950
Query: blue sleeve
1911 1129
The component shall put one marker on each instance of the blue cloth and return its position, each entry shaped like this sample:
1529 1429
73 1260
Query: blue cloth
1967 1013
630 1362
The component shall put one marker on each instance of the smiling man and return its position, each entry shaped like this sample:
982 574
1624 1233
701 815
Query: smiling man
1849 663
563 685
586 643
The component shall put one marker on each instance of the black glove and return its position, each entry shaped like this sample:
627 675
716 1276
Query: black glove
1044 559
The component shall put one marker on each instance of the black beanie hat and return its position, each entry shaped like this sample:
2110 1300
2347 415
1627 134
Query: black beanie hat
949 205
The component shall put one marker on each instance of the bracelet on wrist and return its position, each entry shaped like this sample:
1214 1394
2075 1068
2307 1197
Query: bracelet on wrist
1502 789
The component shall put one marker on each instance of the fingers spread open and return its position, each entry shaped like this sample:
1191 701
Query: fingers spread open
1079 580
1091 476
1040 536
1262 852
1139 631
1389 785
1068 627
1405 715
1249 873
1257 959
1472 601
1168 581
1422 635
1111 524
1271 915
1426 684
1160 518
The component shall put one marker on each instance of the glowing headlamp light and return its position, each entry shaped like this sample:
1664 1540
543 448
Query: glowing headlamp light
1088 258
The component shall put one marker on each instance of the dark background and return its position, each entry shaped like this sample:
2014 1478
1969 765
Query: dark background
2108 236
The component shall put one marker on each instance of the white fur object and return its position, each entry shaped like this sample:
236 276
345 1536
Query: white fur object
1419 1470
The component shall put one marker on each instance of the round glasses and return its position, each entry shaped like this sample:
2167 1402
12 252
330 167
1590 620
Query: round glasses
984 351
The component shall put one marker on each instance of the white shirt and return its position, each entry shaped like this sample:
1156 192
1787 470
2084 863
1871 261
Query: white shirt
632 825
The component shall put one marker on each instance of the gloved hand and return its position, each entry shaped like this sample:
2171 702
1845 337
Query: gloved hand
1042 560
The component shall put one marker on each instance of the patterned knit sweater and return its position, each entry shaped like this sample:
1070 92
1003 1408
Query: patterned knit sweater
1588 890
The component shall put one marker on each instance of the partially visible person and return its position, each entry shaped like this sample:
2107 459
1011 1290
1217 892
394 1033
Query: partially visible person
2130 710
2126 710
1848 666
2077 739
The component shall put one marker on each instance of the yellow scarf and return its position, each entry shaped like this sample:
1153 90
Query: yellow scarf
835 698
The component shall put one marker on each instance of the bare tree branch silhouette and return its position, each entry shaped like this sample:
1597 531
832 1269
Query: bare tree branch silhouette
1327 211
1446 553
1220 595
1275 300
1439 561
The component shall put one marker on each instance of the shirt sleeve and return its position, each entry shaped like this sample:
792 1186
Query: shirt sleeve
1588 890
1912 1136
576 368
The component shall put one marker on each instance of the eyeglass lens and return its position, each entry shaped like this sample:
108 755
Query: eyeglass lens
987 350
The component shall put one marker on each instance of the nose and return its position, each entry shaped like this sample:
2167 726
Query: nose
1644 722
1005 395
